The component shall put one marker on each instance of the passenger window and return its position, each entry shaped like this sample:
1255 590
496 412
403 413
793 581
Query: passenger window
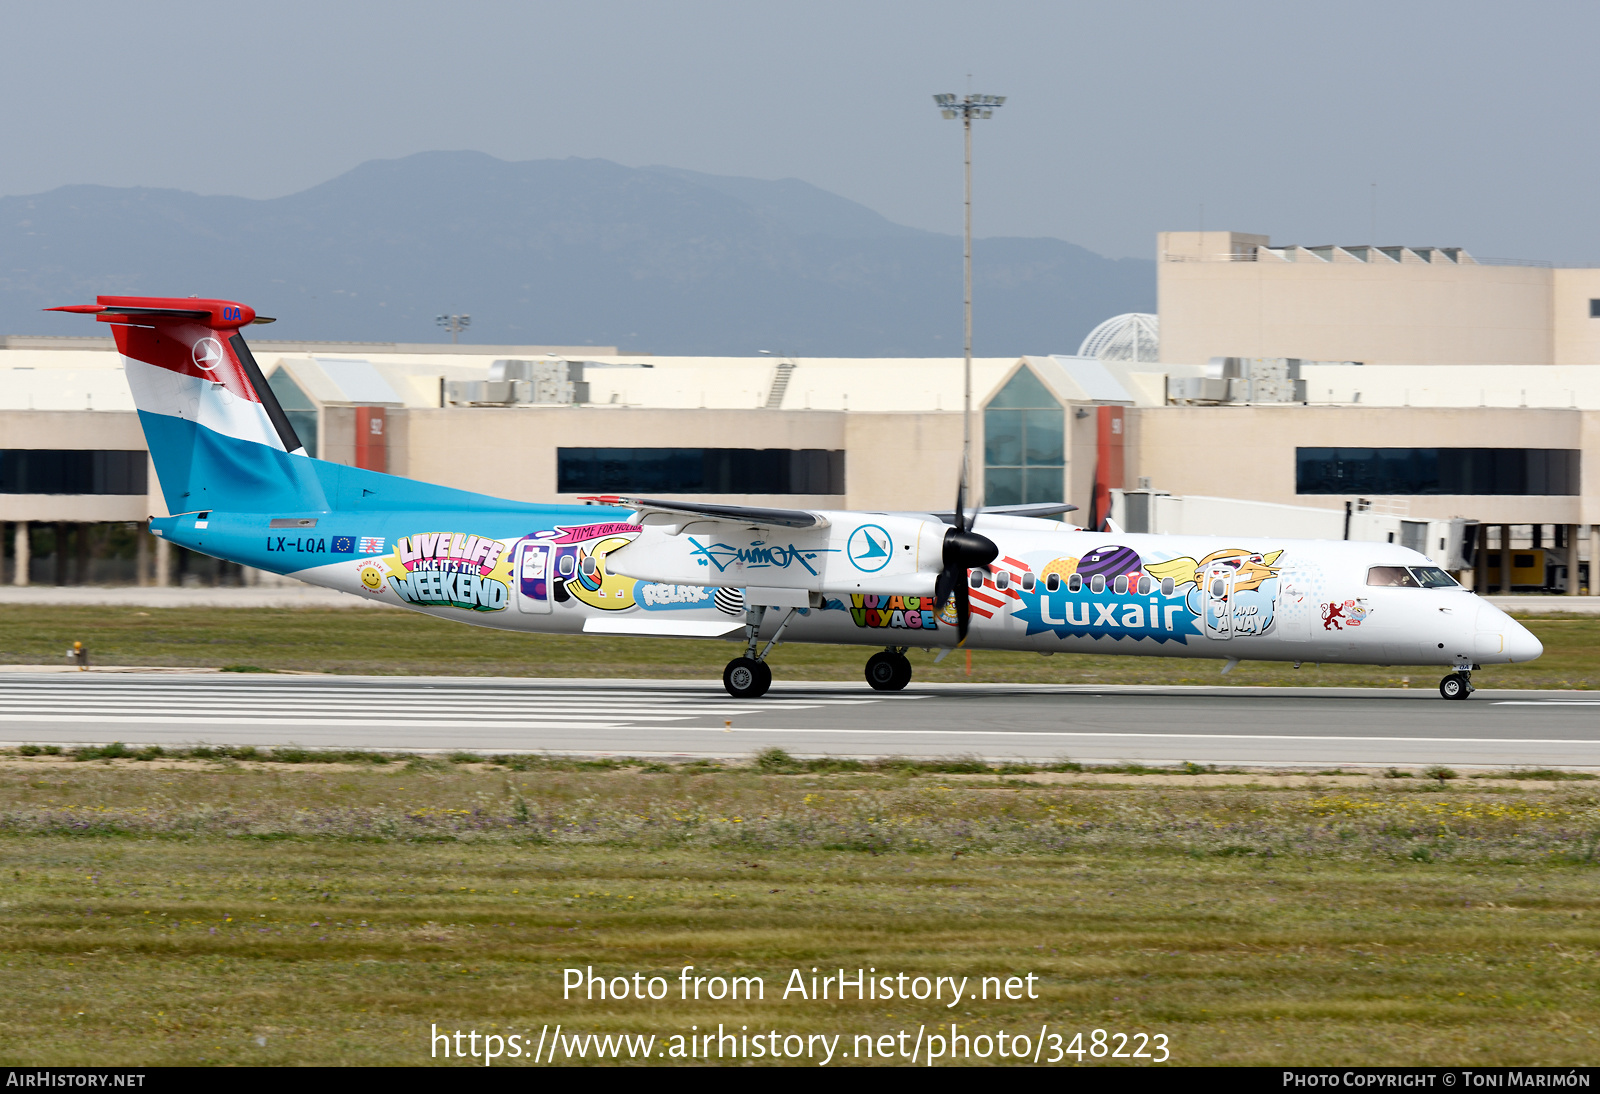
1052 583
1167 586
1002 580
1027 583
1145 585
1075 583
1120 586
587 566
975 578
1219 588
1397 577
565 566
1097 584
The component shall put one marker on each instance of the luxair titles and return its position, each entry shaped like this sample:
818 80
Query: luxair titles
446 569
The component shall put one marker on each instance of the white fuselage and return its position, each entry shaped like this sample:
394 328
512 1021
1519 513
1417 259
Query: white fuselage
1049 591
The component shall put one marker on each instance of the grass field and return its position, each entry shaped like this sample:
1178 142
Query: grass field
381 642
221 911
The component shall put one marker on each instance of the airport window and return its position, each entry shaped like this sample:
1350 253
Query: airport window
73 471
699 471
297 407
1410 471
1594 308
1024 444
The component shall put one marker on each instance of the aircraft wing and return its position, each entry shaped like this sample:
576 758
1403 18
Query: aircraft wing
1042 509
739 514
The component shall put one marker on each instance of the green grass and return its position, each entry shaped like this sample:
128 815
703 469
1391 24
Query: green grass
229 911
385 642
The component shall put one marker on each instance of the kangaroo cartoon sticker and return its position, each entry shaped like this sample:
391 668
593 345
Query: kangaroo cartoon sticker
1235 590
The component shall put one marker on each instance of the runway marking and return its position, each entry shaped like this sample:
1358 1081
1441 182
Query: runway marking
1545 702
1152 736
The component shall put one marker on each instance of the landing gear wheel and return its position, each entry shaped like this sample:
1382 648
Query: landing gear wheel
888 671
1456 686
746 678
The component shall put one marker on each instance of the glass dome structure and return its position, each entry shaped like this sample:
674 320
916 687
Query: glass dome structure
1132 336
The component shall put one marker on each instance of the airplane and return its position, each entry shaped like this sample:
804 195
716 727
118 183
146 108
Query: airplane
241 487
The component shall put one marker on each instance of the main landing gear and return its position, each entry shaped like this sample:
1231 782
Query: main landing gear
749 677
1458 685
889 670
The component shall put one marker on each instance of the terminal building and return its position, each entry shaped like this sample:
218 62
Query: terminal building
1410 394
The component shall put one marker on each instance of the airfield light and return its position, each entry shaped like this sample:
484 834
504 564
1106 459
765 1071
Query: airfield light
967 108
455 324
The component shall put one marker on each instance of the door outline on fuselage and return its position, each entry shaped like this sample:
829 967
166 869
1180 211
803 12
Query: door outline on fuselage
533 569
1218 610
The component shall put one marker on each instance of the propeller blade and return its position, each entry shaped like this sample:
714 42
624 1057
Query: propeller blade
963 611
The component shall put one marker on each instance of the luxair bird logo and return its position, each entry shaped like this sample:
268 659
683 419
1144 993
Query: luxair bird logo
869 548
1250 569
207 354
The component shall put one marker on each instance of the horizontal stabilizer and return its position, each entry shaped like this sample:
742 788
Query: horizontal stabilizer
741 514
662 628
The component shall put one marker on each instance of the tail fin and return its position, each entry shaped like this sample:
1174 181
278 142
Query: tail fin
216 432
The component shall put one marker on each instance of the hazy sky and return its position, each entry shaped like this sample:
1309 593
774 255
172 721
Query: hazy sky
1473 119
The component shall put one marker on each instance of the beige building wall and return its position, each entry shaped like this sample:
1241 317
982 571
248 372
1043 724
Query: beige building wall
895 460
1220 297
1577 336
1249 452
77 429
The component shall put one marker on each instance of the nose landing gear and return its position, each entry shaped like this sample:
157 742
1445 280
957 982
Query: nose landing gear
1458 685
889 670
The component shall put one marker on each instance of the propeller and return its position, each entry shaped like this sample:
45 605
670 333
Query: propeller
964 550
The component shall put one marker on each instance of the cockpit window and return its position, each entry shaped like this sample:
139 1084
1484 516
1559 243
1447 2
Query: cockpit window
1410 577
1397 577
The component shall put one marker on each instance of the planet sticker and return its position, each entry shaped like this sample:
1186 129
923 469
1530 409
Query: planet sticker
1110 561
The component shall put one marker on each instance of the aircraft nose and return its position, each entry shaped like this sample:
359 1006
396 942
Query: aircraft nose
1521 645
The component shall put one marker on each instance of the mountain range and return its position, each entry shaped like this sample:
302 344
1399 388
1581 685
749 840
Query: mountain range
560 252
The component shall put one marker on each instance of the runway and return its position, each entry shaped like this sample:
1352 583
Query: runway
1237 726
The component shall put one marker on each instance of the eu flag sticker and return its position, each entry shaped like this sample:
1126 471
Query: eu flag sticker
342 545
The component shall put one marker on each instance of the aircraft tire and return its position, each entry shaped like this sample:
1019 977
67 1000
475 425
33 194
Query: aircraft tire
1455 686
888 671
746 678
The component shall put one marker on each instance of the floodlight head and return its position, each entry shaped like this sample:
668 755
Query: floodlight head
947 113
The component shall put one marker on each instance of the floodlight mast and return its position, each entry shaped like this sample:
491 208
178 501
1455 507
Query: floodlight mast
455 324
967 108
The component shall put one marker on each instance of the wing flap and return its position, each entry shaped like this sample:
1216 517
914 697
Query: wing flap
662 628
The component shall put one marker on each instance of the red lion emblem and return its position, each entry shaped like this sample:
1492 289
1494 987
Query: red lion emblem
1331 614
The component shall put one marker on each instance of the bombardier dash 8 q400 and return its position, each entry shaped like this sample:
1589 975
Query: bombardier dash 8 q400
242 488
